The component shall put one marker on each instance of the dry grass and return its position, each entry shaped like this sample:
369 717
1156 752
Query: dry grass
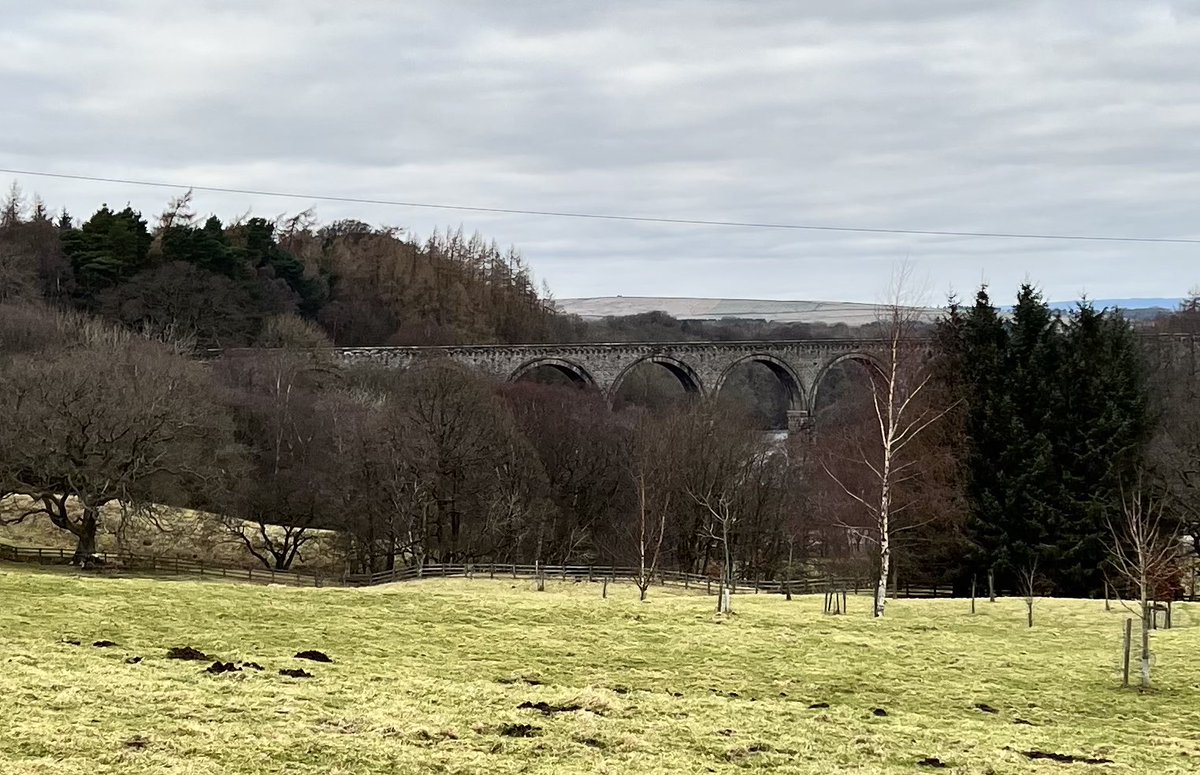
428 676
172 532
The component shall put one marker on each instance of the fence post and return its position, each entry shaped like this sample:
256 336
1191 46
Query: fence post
492 571
514 570
1125 668
590 574
708 586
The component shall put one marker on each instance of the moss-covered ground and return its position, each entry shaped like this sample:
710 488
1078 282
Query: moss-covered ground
429 677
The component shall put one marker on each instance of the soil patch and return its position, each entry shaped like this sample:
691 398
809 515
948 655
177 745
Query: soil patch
188 653
295 673
132 660
932 761
1064 758
315 656
104 644
818 706
252 665
983 706
879 712
216 668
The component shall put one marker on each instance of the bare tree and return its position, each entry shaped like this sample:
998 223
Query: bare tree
1145 556
901 412
116 420
654 470
286 486
722 456
1029 579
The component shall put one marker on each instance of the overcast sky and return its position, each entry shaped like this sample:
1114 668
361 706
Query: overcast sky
1061 117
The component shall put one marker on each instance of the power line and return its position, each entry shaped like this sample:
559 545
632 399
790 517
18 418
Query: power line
605 216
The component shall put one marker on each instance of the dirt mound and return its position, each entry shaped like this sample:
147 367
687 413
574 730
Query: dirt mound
295 673
1064 758
187 653
314 655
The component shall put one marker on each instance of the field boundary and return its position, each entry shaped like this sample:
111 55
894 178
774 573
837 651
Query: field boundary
122 563
127 563
152 566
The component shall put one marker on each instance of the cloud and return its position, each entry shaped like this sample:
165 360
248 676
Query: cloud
957 115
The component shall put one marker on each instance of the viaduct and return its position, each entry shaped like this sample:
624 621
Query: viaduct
701 367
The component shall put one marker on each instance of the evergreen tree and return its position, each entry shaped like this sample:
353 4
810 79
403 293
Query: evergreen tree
107 249
1101 429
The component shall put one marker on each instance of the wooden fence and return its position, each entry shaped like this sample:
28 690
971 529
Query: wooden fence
126 563
595 573
129 563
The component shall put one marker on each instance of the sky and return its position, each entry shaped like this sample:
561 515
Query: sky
1078 118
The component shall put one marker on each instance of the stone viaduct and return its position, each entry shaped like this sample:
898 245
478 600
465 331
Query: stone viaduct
700 367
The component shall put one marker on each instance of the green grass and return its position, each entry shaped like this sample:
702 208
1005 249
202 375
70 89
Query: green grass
422 682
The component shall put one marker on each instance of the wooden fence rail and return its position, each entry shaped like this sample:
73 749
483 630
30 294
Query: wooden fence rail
126 562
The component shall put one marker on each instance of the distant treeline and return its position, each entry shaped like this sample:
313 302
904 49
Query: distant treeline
218 283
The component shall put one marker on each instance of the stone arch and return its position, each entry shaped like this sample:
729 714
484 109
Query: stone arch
866 359
797 395
576 373
686 375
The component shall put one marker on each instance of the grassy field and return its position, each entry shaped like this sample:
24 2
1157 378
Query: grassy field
430 676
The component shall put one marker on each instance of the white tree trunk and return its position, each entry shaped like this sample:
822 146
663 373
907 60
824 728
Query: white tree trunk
885 540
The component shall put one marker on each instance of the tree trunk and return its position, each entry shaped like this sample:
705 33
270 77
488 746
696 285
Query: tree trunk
85 547
991 585
885 560
1146 614
788 588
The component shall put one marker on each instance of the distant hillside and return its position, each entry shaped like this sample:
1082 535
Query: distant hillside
829 312
850 313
